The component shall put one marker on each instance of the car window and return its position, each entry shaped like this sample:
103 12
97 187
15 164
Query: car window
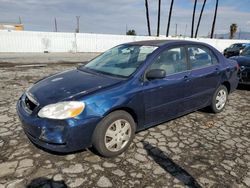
201 57
171 60
246 51
236 45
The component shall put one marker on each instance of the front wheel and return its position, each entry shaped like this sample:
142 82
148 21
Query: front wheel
114 134
219 99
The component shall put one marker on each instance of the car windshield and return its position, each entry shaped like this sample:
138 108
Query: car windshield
120 61
236 45
246 52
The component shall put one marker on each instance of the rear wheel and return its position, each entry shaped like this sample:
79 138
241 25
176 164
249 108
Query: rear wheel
219 99
114 134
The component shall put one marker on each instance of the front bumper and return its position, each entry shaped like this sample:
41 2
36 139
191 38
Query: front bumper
231 53
57 135
244 76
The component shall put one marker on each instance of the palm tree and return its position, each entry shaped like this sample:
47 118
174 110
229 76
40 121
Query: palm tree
159 18
215 16
169 17
131 32
199 21
147 16
192 29
233 30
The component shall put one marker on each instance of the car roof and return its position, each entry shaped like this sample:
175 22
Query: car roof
162 42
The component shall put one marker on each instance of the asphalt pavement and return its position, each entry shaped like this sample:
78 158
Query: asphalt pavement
200 149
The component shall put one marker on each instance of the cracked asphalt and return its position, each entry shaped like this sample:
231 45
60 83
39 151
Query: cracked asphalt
200 149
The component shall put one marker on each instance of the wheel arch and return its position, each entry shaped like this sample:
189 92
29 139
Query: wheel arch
227 85
130 111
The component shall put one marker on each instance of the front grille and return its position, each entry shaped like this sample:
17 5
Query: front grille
29 103
244 75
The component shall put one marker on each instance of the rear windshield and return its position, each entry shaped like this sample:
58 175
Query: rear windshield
236 45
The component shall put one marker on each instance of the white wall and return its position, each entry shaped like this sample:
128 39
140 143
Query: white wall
29 41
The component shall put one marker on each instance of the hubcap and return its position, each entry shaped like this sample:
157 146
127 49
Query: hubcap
117 135
221 99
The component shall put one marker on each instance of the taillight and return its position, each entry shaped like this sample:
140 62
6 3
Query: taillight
238 67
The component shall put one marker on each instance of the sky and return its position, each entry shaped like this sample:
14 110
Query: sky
114 16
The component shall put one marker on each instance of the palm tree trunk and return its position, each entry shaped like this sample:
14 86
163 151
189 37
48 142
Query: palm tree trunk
169 17
215 16
159 18
147 15
199 21
192 29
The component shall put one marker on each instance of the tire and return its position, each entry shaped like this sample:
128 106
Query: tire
219 99
114 134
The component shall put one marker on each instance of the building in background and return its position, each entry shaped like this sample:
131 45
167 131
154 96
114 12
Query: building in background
11 26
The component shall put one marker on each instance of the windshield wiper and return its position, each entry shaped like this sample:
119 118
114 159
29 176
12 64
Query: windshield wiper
86 69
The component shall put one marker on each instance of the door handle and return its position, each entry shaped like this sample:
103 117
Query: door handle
217 70
186 78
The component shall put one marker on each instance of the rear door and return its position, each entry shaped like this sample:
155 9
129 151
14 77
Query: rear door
205 75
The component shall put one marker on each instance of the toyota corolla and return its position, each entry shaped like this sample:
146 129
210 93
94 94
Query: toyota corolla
128 88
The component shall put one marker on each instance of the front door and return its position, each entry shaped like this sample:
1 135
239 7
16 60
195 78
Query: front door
165 98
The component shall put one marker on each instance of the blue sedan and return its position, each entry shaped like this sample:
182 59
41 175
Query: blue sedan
128 88
244 63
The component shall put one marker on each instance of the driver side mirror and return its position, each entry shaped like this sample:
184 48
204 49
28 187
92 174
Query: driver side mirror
155 74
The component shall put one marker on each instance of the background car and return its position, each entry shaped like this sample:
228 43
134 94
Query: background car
244 64
235 49
129 88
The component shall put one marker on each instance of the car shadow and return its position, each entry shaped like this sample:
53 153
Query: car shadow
243 87
170 166
45 182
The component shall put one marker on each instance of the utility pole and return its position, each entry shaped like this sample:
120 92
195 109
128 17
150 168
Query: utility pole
55 25
20 20
185 34
77 24
176 29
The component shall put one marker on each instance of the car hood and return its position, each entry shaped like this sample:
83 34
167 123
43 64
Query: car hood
242 60
68 86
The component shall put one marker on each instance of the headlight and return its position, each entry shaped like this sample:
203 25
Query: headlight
62 110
